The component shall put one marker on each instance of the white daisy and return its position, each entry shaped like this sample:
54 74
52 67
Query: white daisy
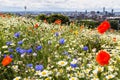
15 67
34 54
111 68
4 47
110 76
73 78
95 79
100 69
74 61
12 44
17 78
45 73
62 63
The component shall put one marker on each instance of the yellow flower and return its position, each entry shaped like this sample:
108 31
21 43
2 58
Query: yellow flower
71 76
44 73
76 32
61 70
78 73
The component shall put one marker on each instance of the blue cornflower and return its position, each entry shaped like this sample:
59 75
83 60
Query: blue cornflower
29 51
73 65
30 65
20 42
16 35
85 48
4 55
17 49
56 34
62 41
8 43
11 56
39 67
21 51
38 47
10 50
66 53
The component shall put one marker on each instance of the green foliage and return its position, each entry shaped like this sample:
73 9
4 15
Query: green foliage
114 24
2 41
89 23
52 52
41 17
5 73
53 17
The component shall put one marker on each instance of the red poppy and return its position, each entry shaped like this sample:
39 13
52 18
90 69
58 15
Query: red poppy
58 21
7 60
45 21
103 58
36 25
114 39
81 27
103 27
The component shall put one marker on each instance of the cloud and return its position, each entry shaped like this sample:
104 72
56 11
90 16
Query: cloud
59 4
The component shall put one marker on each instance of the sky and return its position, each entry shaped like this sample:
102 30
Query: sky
59 5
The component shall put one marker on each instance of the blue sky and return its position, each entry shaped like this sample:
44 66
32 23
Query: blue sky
59 5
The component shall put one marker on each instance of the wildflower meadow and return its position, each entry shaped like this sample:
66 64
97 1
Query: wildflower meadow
36 50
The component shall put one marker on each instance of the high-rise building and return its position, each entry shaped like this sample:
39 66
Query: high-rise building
25 7
103 9
112 11
85 11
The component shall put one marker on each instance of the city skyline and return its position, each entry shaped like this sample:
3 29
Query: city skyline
62 5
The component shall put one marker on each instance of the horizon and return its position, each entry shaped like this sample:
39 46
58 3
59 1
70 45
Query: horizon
58 11
56 5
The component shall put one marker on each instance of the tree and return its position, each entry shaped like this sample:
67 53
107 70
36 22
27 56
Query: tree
54 17
114 24
41 17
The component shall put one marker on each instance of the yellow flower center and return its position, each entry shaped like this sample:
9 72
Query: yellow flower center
110 77
43 73
62 62
61 71
47 79
17 79
72 78
99 69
